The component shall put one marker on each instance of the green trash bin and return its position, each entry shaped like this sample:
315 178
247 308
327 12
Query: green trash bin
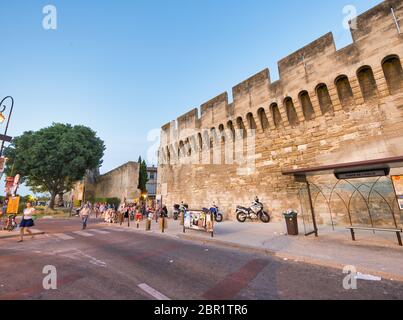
291 221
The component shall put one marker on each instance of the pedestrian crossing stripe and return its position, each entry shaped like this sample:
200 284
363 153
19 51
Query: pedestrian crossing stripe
119 230
87 233
63 236
99 231
83 233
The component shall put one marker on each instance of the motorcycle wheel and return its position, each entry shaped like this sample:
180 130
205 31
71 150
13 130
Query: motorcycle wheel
241 217
264 217
219 218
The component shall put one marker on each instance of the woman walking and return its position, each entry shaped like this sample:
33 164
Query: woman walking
27 221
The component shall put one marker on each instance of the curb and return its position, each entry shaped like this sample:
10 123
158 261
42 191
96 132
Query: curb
17 235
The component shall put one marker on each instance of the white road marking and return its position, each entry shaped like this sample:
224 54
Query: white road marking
76 254
83 233
92 260
118 229
63 236
152 292
99 231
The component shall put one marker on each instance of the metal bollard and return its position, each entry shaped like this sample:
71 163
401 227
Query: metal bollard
148 225
163 224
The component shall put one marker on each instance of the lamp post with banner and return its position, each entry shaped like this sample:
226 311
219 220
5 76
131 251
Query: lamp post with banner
3 107
7 103
3 137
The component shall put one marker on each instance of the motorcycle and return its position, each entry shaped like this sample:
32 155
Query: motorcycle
254 212
218 216
178 209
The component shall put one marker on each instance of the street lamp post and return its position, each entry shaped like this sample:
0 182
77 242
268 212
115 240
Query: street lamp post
4 138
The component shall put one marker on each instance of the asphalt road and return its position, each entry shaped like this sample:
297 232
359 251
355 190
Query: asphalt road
111 263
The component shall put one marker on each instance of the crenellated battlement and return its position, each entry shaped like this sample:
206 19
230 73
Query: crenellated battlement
220 99
295 63
260 79
375 17
318 62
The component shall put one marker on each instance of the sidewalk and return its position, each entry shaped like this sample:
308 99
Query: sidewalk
16 233
377 254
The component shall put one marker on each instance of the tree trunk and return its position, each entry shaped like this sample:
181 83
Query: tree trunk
61 202
52 200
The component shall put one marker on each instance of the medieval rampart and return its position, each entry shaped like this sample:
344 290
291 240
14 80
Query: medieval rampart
329 106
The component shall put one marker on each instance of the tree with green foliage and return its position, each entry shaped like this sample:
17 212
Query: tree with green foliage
54 158
143 176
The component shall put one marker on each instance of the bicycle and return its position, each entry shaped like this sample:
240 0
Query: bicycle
10 223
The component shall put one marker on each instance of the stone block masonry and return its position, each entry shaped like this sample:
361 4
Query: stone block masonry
120 183
329 106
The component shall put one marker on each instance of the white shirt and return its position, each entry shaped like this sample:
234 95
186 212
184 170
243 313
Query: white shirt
28 212
85 211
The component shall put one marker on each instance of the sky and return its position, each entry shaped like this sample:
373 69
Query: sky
127 67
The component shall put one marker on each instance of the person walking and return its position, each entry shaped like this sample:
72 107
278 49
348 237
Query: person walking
4 208
151 212
157 213
102 209
164 212
126 212
143 210
96 210
139 215
84 214
27 221
121 213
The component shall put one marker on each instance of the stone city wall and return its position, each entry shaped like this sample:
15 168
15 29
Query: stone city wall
120 183
329 106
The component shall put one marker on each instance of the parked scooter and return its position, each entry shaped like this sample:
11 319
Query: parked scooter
218 216
254 212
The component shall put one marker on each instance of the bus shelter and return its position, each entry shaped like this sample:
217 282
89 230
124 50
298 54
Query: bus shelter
364 195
